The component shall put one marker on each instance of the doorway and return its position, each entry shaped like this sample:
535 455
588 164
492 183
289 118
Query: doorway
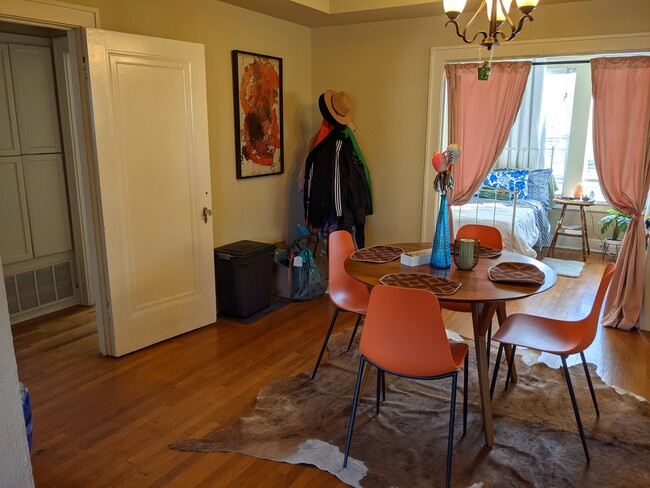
140 110
42 245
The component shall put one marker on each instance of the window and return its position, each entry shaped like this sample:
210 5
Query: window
554 123
589 175
555 117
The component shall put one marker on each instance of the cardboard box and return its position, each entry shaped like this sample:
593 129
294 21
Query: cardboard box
282 281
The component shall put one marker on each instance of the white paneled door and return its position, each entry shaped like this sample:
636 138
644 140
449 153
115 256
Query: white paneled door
149 111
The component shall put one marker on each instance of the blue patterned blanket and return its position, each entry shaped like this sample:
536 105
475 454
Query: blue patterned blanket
541 215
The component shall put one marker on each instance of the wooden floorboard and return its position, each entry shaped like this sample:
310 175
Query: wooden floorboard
101 422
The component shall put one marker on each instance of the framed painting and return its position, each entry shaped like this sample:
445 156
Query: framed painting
257 84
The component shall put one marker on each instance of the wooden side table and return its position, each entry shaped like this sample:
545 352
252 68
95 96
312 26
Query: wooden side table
578 230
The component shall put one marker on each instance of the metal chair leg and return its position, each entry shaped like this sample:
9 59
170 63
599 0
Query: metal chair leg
510 361
327 338
383 385
575 406
354 332
450 442
354 411
379 374
591 386
496 370
465 386
501 318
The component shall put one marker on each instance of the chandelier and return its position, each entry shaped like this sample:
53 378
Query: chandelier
497 12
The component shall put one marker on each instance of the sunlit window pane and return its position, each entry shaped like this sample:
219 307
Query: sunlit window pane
557 105
548 115
589 174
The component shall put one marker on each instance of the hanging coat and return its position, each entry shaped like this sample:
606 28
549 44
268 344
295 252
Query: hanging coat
336 181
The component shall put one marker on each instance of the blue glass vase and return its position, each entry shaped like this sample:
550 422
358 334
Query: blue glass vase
440 251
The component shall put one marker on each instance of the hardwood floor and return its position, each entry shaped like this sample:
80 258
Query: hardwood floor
102 421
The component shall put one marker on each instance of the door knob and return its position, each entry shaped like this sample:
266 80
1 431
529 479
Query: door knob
206 213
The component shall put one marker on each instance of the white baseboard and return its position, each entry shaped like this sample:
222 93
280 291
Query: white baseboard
595 245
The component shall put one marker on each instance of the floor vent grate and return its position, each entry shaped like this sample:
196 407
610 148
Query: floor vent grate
38 288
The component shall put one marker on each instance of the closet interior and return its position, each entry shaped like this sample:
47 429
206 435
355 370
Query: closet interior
36 230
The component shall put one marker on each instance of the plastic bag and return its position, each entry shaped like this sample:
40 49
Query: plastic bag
308 281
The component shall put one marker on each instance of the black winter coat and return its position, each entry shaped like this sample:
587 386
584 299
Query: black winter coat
335 182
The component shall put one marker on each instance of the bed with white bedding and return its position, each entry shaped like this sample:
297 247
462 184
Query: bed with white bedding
495 203
526 232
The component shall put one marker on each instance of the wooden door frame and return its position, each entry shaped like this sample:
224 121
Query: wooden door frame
53 14
49 13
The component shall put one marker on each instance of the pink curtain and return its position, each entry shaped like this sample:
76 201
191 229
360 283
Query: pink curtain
621 121
481 114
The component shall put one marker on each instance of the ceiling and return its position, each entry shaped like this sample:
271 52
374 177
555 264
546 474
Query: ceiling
321 13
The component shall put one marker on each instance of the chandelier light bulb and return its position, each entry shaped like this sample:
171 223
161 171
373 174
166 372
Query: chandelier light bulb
501 15
453 8
527 6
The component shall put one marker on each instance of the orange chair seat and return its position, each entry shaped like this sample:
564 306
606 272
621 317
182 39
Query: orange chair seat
351 299
541 333
458 352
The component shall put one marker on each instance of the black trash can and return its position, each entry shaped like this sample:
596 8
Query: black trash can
244 272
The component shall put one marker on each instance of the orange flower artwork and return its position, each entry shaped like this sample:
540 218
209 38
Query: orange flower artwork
258 114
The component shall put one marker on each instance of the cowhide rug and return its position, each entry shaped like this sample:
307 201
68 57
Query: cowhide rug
300 421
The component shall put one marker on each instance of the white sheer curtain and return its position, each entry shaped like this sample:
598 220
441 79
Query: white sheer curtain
524 145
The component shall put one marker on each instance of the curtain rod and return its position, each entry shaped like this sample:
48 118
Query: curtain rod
545 63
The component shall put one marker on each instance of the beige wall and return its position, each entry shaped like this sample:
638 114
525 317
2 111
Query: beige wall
385 68
266 208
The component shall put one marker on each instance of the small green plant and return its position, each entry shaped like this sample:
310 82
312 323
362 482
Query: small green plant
617 221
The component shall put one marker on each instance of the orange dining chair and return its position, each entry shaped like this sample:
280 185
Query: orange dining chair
404 335
491 237
488 235
561 337
346 293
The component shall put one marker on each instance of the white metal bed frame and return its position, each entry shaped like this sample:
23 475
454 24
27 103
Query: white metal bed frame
508 151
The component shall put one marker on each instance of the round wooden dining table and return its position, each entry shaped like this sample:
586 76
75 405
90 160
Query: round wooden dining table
484 295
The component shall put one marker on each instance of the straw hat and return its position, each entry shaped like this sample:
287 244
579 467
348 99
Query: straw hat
338 105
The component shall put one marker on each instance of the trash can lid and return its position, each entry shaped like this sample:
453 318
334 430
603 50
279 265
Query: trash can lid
245 248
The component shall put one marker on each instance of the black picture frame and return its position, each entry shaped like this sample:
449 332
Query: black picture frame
258 100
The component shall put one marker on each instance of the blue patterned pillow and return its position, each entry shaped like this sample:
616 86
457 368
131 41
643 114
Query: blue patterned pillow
538 186
509 179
